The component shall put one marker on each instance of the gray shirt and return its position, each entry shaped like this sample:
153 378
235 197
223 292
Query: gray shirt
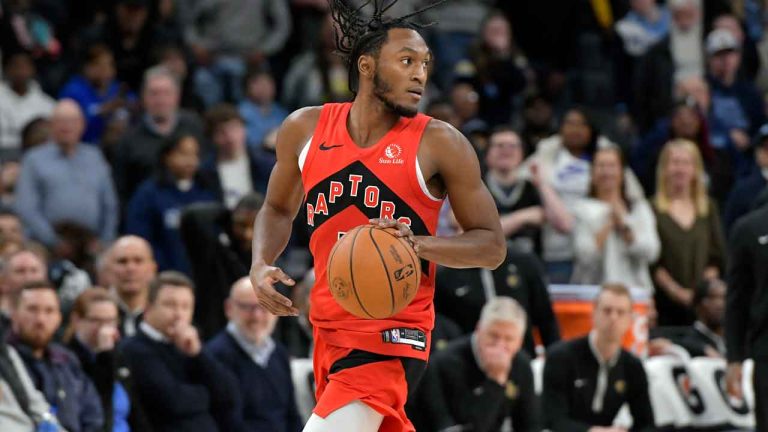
12 417
54 187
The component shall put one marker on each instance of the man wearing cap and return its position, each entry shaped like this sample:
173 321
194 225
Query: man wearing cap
747 189
737 108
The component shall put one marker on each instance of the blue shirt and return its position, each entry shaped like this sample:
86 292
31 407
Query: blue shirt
91 102
258 123
55 187
121 407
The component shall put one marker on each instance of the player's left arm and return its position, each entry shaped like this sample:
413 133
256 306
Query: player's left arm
447 157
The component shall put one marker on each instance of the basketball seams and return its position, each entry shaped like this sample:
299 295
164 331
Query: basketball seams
386 270
352 274
411 252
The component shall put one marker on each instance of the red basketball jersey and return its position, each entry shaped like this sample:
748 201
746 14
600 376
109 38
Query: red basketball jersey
345 186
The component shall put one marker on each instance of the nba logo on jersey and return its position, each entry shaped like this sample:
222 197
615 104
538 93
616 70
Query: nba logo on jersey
395 335
392 153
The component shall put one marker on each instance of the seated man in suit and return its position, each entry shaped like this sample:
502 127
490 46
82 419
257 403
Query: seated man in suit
587 380
182 387
479 381
705 337
246 349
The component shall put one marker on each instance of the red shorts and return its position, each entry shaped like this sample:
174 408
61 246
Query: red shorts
382 382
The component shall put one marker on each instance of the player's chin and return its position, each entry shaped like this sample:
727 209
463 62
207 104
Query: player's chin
408 110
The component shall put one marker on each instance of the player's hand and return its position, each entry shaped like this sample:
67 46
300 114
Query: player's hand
403 230
263 277
733 380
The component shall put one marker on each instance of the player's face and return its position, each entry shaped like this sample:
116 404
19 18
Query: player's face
401 71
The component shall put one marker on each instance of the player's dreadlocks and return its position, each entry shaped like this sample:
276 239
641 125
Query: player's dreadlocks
359 35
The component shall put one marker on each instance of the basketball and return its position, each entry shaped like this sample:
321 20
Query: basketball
372 273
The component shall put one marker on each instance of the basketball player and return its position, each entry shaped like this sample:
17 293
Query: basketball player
375 160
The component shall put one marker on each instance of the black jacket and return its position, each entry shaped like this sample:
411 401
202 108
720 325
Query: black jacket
180 393
570 383
456 391
105 369
746 320
216 262
460 295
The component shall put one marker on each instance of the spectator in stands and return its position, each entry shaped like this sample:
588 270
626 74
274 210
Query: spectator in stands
737 108
130 33
564 161
502 70
37 132
318 75
750 61
259 109
524 206
246 348
537 121
174 58
218 244
234 171
11 229
466 103
686 121
678 56
477 382
689 229
746 303
137 154
100 96
227 36
19 268
746 190
460 295
65 180
615 238
587 380
181 387
21 100
55 370
706 336
93 335
154 212
22 407
23 28
9 175
132 267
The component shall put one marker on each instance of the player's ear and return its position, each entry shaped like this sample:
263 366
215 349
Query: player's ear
366 65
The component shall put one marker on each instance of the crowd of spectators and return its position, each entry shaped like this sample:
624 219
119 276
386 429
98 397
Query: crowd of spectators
622 141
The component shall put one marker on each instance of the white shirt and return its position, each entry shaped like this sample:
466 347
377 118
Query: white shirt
259 353
236 180
687 52
18 110
618 261
153 333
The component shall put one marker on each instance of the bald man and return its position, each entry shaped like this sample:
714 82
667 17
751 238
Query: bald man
64 180
262 365
130 267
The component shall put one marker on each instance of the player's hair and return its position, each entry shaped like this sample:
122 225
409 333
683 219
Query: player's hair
504 309
359 34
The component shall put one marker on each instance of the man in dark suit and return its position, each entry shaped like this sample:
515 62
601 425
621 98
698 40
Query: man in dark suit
218 245
182 387
479 381
246 349
587 380
705 337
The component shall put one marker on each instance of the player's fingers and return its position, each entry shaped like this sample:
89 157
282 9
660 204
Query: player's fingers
383 222
276 307
278 275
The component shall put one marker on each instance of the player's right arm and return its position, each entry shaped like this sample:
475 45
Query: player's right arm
272 228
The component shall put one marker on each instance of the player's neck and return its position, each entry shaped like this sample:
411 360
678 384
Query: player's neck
369 120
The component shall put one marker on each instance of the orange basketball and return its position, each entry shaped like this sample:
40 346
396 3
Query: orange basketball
372 273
